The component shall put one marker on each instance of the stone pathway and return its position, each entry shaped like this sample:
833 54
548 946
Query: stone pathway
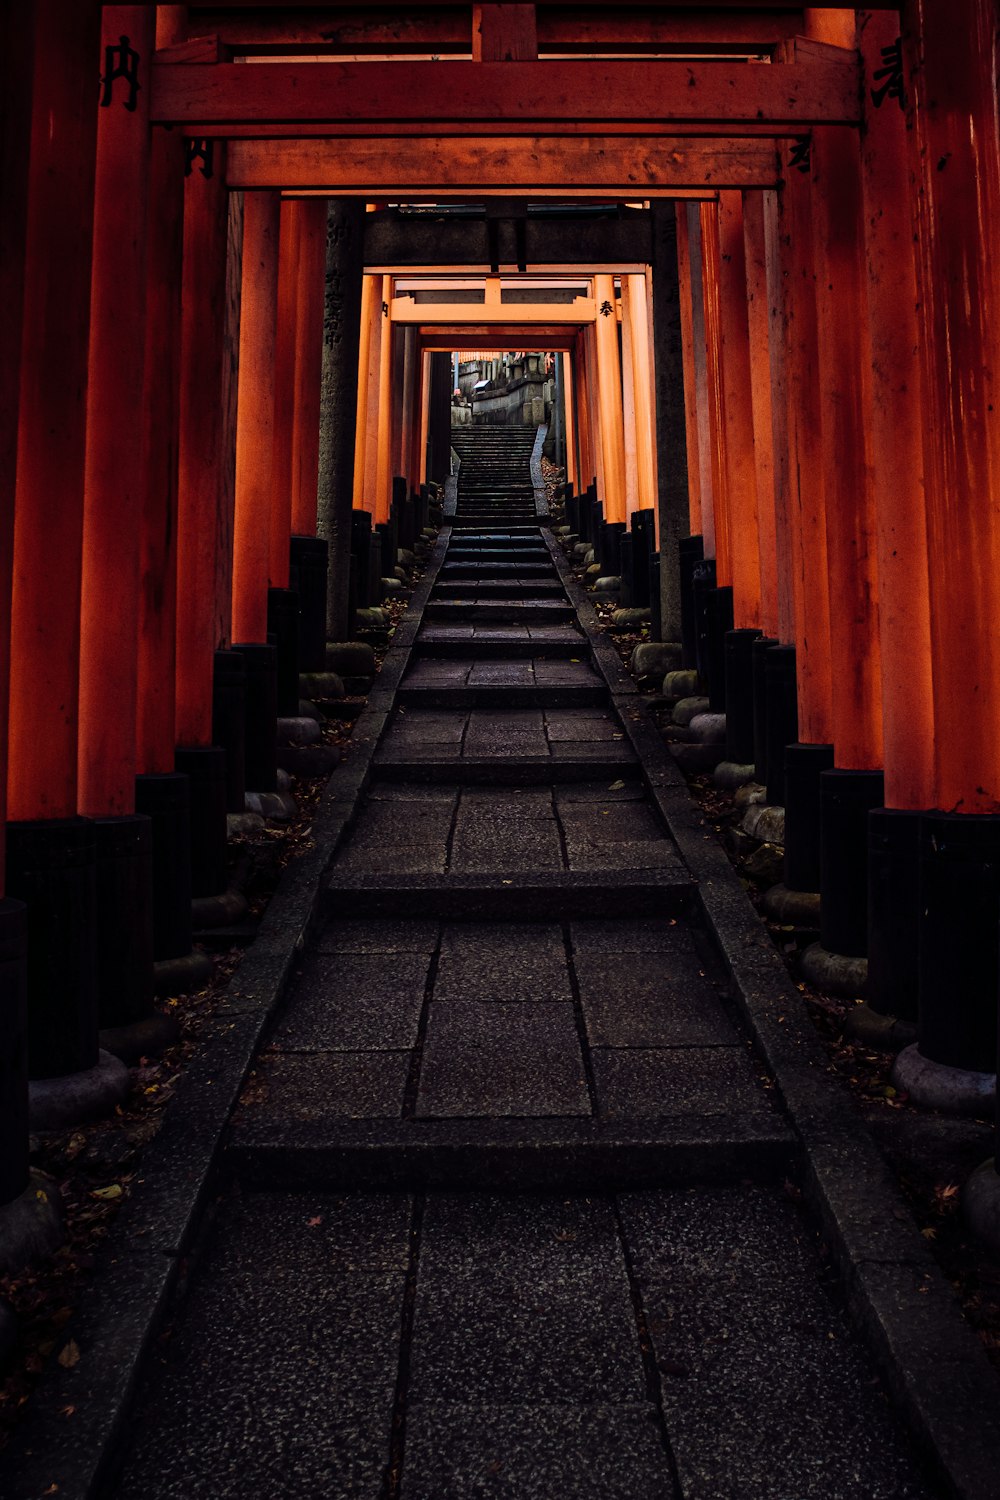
508 1213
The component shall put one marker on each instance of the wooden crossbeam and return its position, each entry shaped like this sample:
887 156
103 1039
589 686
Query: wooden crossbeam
459 336
436 29
626 166
397 240
428 314
535 97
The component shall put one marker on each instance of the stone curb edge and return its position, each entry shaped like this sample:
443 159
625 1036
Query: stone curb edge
145 1261
932 1360
537 478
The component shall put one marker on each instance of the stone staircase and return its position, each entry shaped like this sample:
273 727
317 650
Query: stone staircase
494 481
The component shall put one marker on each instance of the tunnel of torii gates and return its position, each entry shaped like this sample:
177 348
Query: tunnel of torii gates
778 226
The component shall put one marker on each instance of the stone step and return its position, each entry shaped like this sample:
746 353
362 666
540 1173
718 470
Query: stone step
610 765
462 647
491 570
554 695
499 588
538 895
531 608
461 1156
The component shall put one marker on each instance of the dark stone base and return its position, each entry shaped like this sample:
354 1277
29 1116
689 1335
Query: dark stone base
797 908
149 1037
277 805
55 1103
219 911
309 760
8 1331
881 1033
981 1204
834 973
729 774
31 1226
179 976
697 759
934 1085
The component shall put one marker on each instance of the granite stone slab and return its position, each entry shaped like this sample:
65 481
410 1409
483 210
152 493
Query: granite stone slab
360 1002
648 1003
278 1380
416 936
653 1083
483 1059
523 1300
529 1452
316 1086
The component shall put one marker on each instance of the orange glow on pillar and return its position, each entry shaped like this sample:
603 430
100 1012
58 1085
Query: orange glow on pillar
759 338
308 363
284 393
956 169
845 396
690 375
383 424
48 520
255 417
609 392
715 391
738 444
807 512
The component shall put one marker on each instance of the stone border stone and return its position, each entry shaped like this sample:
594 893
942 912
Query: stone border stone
537 479
143 1261
932 1360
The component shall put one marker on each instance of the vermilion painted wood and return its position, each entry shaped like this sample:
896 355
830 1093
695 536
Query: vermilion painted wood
739 443
383 424
759 373
693 216
308 364
634 296
569 415
657 91
609 395
951 78
436 29
48 525
369 287
255 417
204 520
778 391
895 426
634 165
157 618
845 398
17 63
690 382
806 513
582 413
504 33
715 392
284 394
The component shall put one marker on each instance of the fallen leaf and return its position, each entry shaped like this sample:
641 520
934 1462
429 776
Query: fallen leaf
312 1223
67 1411
108 1194
69 1355
616 786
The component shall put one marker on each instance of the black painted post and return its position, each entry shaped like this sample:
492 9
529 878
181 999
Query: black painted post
643 547
690 550
261 744
13 1049
655 599
310 560
893 981
283 631
804 768
758 662
739 695
229 729
361 538
339 398
702 585
719 609
846 799
781 716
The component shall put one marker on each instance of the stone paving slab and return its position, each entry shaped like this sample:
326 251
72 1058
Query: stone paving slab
323 1086
630 1000
569 733
280 1379
528 1452
665 1082
742 1324
355 1002
497 1059
523 1306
